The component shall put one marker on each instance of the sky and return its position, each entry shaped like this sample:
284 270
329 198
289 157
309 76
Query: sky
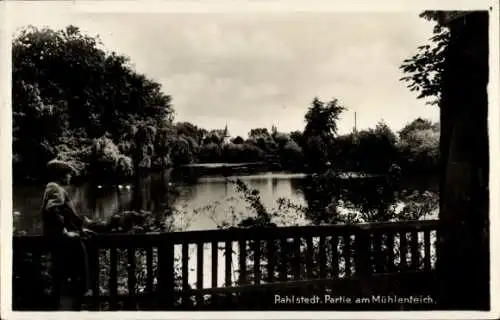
251 70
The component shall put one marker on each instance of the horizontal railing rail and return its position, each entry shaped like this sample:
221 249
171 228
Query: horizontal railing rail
234 234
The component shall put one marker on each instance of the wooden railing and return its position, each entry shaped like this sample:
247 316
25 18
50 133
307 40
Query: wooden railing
153 271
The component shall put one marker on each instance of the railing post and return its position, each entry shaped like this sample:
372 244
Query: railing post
166 272
362 253
113 278
186 296
131 264
199 274
94 270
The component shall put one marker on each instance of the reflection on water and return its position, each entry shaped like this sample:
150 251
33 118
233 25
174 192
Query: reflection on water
155 193
152 193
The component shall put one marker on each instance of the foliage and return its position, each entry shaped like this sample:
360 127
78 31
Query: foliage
320 132
106 161
298 137
110 121
424 70
419 145
258 132
238 140
183 149
373 150
290 154
69 90
376 148
190 130
321 118
351 201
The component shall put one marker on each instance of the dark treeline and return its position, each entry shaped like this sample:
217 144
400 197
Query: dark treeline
74 101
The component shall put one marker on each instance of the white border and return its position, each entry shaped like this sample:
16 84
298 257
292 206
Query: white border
245 6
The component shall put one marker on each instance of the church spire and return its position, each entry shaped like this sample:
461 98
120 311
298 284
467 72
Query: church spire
225 136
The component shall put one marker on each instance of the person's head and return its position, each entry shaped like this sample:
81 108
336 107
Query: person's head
60 172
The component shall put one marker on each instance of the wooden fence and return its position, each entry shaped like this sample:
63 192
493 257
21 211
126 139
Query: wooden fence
152 271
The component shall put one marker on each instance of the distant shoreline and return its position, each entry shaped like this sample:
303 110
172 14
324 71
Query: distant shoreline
221 165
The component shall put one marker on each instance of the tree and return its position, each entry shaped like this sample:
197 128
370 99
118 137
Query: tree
298 137
291 155
415 125
281 139
375 149
264 142
258 132
382 130
419 145
183 150
67 89
190 130
321 118
424 70
212 138
238 140
320 131
210 152
107 161
453 69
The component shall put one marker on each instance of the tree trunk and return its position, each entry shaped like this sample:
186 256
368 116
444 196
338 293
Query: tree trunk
464 195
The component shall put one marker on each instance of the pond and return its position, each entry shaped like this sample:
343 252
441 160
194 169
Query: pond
203 202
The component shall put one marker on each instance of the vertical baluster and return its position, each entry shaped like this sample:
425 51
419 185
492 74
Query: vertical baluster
199 272
257 261
309 258
149 271
377 251
390 251
437 246
185 274
335 257
284 259
347 254
322 257
271 251
362 253
215 257
427 250
95 268
403 251
17 263
243 262
296 258
215 270
415 253
131 278
228 258
37 267
113 278
166 272
322 263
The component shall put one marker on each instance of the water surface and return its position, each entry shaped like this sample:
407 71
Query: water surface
202 203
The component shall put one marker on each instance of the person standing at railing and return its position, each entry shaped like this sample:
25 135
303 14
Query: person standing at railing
65 229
